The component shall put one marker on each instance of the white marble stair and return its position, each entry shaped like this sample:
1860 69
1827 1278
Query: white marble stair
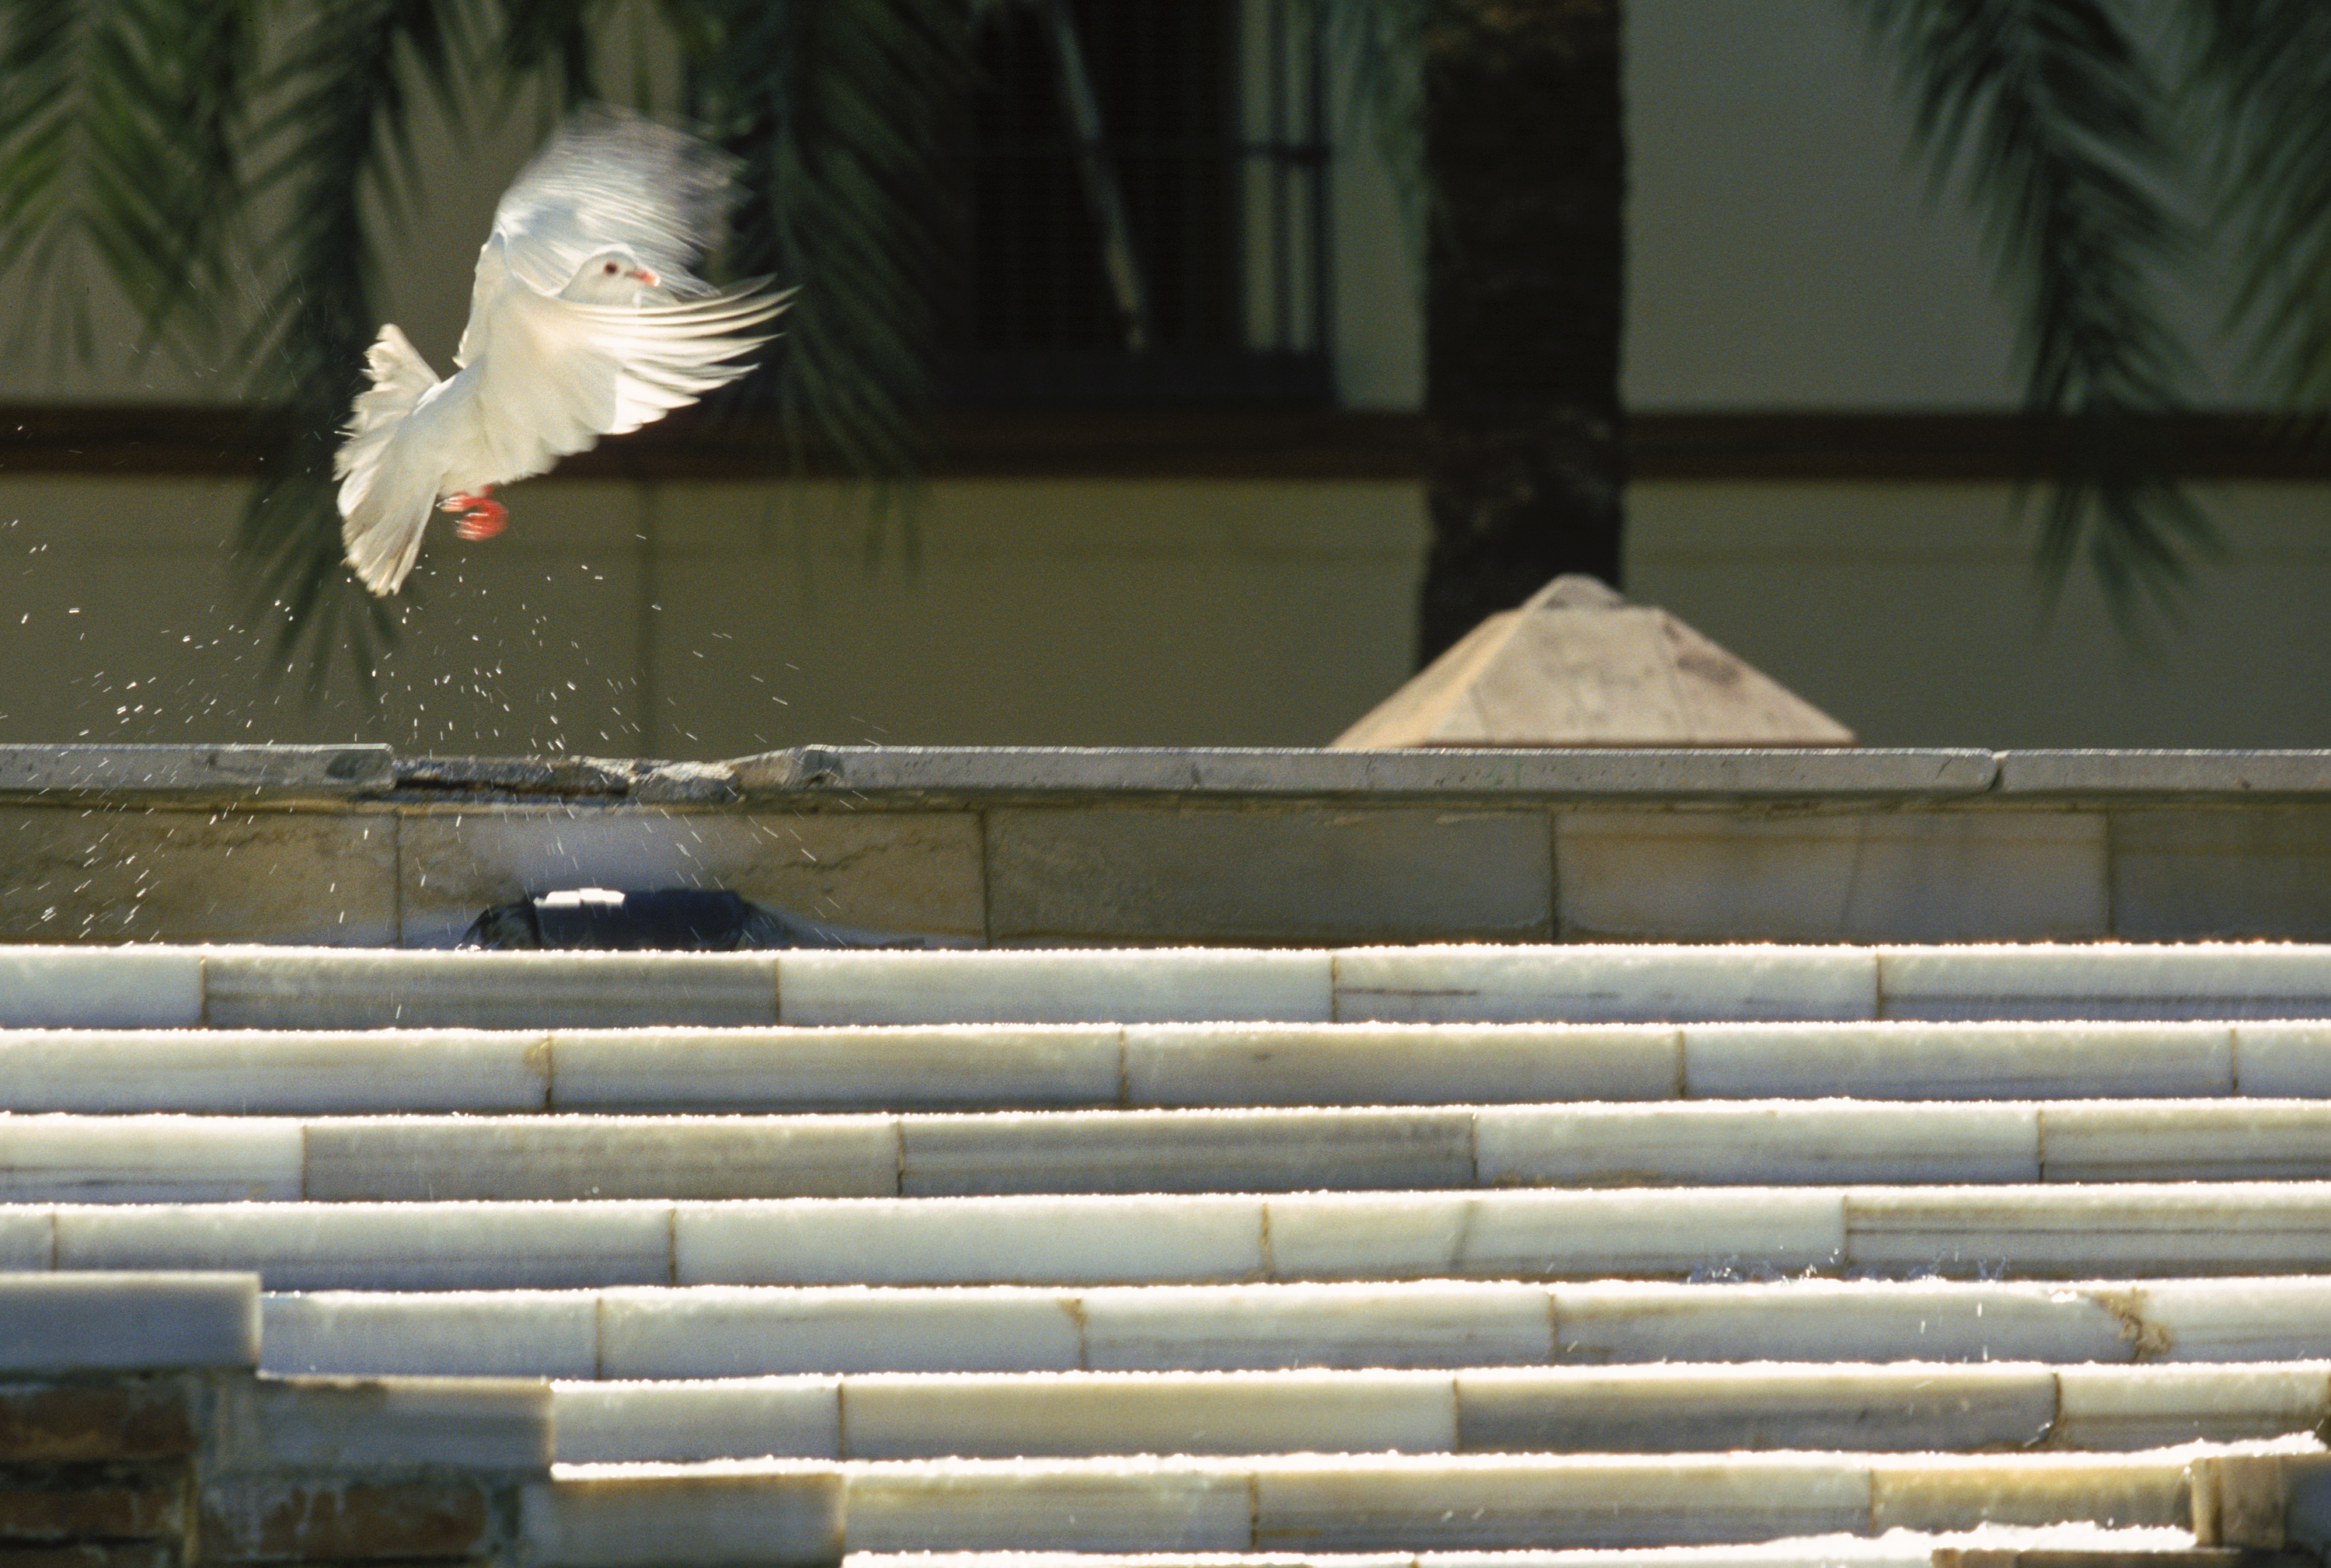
2034 1232
151 987
1901 1406
2003 1545
942 1068
716 1332
1340 1502
171 1157
1390 1251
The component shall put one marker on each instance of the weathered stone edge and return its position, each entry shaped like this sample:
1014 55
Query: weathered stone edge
840 774
1005 770
1717 776
71 1323
196 771
288 775
2166 773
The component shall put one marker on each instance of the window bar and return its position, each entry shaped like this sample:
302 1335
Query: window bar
1322 257
1282 279
1084 108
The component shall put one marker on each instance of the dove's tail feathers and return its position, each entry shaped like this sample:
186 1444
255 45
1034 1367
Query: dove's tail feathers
384 508
381 530
399 378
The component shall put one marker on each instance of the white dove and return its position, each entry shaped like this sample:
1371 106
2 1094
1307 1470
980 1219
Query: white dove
584 321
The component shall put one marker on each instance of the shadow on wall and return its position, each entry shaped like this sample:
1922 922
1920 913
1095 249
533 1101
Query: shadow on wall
714 619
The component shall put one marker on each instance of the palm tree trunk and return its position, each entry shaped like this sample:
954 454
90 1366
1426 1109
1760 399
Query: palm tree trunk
1524 157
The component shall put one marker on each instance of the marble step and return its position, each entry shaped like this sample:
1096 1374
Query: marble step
2068 1231
346 988
2009 1547
942 1068
85 1324
719 1332
186 1159
1893 1408
773 1510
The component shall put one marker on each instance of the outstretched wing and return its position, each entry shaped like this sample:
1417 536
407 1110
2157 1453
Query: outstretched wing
553 360
610 180
553 376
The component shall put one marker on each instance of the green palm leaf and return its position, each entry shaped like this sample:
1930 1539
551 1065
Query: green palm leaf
2062 126
128 143
166 198
340 134
843 115
2263 69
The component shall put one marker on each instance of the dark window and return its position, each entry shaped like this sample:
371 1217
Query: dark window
1147 185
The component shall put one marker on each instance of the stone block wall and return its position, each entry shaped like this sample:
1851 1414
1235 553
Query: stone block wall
102 1471
1034 848
105 1463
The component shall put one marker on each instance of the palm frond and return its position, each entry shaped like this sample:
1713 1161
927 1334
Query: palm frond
52 62
843 118
342 130
2263 69
129 139
121 144
1379 45
166 194
2061 125
556 37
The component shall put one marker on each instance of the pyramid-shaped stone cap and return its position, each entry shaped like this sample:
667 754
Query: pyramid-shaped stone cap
1577 665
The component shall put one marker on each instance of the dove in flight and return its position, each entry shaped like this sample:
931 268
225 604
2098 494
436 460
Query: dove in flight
584 321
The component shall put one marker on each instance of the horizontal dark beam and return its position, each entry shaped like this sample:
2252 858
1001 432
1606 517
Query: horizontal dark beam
1216 442
1953 447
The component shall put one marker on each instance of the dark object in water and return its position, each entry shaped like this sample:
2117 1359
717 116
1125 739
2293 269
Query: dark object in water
667 919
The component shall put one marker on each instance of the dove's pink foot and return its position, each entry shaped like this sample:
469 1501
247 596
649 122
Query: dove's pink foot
476 517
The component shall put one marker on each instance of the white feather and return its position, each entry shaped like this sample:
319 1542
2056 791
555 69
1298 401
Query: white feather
583 321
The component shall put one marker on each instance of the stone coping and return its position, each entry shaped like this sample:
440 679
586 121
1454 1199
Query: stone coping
814 776
354 846
52 1323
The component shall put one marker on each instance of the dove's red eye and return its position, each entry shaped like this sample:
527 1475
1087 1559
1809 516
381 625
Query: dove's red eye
610 268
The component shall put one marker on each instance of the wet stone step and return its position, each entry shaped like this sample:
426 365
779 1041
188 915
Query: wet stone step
2098 1547
356 988
797 1510
712 1332
2137 1231
176 1158
936 1067
1671 1409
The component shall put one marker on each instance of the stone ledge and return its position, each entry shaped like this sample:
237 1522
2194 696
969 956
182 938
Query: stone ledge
858 775
84 1322
2211 776
518 780
187 773
1049 773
